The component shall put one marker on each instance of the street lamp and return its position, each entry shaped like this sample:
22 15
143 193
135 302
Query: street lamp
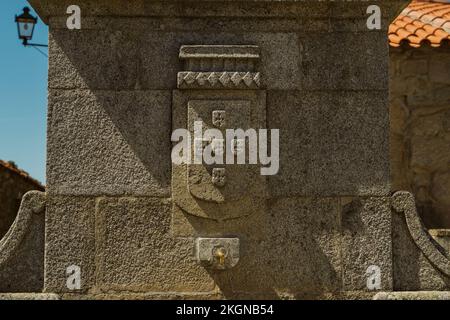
25 27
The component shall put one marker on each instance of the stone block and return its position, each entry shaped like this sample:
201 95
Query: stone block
427 153
307 234
440 192
305 230
330 143
440 70
366 242
95 59
418 295
412 271
325 64
205 9
429 124
28 296
217 253
70 241
109 143
351 154
418 92
441 95
399 163
413 67
295 116
122 60
136 253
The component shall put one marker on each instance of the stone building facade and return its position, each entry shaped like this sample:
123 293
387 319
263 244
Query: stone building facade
420 108
14 183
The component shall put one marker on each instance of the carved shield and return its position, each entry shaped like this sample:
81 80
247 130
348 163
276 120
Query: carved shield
218 182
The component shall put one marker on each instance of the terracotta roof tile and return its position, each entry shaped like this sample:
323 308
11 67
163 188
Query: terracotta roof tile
13 168
423 22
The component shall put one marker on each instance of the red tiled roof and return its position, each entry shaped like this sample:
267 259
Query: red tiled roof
422 22
13 168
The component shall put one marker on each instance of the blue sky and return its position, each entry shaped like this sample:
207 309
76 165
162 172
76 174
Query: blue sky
23 94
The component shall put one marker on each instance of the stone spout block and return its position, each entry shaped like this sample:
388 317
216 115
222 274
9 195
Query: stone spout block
217 253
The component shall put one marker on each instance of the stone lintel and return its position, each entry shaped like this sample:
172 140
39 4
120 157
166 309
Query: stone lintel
311 9
220 52
413 295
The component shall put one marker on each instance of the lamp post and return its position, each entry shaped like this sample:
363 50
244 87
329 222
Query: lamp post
25 27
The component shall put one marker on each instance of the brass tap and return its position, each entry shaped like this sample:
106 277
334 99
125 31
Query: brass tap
220 254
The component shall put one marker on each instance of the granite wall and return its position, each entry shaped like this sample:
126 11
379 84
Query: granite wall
420 128
113 99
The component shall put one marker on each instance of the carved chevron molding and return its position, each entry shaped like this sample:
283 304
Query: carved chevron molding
218 80
219 67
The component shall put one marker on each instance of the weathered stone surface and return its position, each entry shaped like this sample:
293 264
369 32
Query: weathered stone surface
155 55
307 231
442 237
329 150
353 295
69 240
420 139
366 241
419 92
398 153
407 258
204 8
140 296
440 192
135 250
103 143
440 71
217 253
14 183
430 155
420 295
412 68
29 296
22 248
325 65
352 154
201 8
419 262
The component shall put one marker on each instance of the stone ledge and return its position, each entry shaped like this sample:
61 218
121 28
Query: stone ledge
413 295
217 8
29 296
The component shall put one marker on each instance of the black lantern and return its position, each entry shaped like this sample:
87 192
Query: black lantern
25 25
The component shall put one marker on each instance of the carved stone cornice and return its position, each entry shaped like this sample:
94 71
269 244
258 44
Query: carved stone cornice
219 67
218 80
